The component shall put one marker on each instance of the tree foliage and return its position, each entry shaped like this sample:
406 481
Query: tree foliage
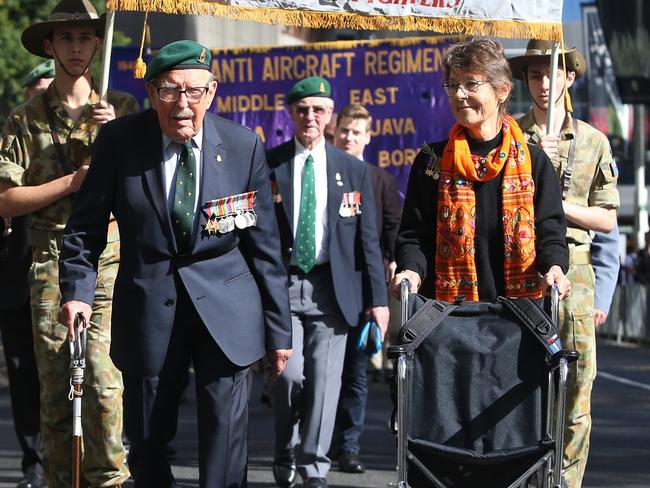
15 61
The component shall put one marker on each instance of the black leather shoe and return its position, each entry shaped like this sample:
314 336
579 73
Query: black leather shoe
284 469
33 480
315 483
349 462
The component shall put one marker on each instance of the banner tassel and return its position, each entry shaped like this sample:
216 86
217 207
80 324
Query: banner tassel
140 68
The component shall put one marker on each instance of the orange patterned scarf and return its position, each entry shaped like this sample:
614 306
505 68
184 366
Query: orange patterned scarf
455 252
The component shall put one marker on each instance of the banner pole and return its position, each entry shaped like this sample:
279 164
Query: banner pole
552 89
108 47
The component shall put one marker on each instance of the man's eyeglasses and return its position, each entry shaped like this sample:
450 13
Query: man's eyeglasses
171 94
471 86
303 110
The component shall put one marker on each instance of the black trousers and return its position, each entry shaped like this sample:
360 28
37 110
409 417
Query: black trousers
151 408
24 389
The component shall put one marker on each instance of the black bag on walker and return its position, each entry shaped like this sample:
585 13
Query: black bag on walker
477 387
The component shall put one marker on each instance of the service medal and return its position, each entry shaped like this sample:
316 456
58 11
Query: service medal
251 218
221 226
230 223
240 221
212 226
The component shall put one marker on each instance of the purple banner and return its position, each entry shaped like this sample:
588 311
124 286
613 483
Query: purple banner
399 81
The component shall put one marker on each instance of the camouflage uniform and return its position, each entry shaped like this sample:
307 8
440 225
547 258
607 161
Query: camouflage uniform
28 158
593 184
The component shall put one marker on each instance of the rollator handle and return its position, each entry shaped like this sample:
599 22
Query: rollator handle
569 355
393 352
404 287
78 346
555 305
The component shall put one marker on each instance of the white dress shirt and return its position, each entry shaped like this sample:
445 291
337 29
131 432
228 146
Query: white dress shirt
171 154
320 176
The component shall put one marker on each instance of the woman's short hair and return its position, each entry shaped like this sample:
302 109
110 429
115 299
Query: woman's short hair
480 55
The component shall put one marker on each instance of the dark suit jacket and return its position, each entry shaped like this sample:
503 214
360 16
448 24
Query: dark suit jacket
15 260
388 209
355 258
236 280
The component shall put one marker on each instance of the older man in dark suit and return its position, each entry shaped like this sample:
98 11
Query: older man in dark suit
326 213
352 135
200 276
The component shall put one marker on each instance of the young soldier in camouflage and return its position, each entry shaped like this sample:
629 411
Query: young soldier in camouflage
44 156
587 172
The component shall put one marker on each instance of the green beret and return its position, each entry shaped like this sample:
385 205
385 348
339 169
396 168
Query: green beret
43 70
314 86
179 55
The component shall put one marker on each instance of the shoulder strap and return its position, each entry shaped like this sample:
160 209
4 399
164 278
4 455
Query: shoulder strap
568 172
536 320
423 323
58 147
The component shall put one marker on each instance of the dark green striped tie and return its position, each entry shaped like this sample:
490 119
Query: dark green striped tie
184 197
306 236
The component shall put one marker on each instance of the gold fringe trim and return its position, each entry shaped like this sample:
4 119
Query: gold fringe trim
346 20
140 68
330 45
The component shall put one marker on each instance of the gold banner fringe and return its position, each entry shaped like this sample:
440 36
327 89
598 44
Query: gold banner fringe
346 20
332 45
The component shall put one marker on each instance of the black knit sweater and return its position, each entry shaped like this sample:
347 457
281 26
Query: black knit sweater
416 240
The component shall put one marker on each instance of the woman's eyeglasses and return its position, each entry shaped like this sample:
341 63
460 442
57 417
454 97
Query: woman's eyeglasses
471 86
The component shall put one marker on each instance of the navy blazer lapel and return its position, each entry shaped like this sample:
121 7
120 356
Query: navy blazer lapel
284 178
214 159
334 191
152 172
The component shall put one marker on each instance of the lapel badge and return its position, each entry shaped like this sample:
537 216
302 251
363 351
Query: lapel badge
338 179
218 158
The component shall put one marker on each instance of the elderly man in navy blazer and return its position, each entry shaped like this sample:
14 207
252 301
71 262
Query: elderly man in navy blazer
326 214
201 273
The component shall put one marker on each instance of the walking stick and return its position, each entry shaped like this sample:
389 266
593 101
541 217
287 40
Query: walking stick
77 366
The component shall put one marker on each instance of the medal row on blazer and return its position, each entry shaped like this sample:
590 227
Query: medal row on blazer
226 214
238 211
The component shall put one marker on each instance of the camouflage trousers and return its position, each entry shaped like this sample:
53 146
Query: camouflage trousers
578 331
104 456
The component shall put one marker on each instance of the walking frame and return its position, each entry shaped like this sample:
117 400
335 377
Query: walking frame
555 404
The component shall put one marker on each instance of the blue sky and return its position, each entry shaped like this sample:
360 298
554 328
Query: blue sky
571 9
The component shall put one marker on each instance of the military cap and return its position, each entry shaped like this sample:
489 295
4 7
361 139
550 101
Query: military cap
66 12
179 55
43 70
314 86
538 50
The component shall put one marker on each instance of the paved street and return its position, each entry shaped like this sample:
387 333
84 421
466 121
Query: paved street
620 456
